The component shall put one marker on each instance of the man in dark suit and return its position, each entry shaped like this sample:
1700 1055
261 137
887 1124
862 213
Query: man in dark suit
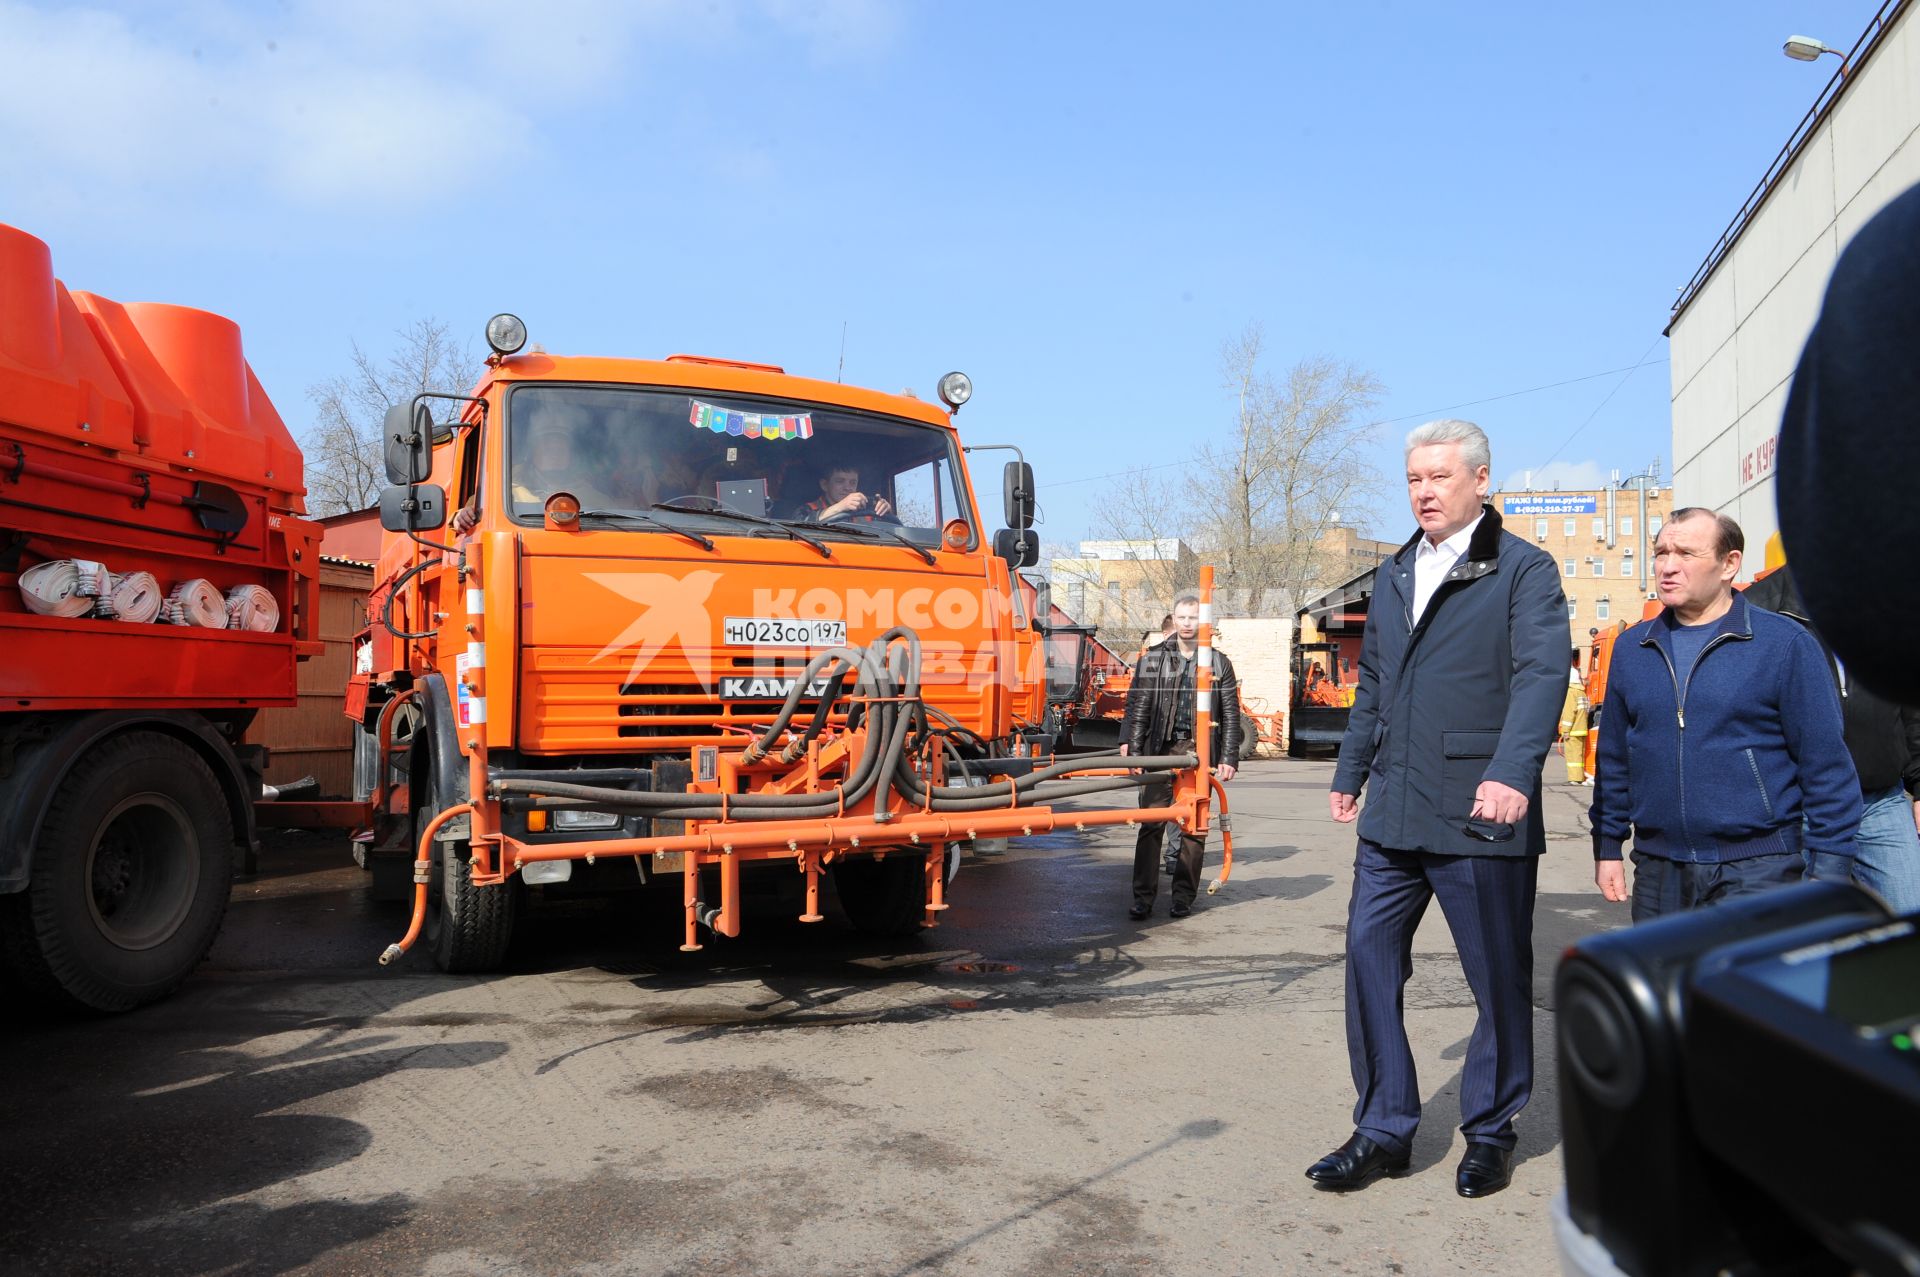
1462 674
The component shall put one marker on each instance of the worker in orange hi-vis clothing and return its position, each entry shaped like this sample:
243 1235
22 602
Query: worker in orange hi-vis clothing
1597 680
1573 725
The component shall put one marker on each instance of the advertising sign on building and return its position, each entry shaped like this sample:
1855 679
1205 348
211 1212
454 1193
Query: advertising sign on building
1552 503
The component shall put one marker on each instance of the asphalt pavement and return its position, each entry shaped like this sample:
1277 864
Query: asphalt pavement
1036 1086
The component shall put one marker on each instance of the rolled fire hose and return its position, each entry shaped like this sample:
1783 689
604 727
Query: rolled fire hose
252 607
135 597
54 588
196 602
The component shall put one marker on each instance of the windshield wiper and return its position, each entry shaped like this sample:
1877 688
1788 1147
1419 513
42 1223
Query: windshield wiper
865 530
641 517
719 511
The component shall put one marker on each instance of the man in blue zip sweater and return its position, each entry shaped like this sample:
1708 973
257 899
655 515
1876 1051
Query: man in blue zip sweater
1723 753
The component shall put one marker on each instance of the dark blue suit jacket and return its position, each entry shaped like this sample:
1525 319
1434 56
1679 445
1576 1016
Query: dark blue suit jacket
1471 693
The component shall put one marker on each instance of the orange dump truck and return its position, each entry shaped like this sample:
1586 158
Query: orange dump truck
659 624
156 588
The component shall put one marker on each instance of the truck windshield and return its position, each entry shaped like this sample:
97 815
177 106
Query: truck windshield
619 448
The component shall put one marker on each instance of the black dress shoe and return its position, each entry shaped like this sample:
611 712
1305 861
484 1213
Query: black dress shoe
1355 1164
1484 1171
1180 909
1139 911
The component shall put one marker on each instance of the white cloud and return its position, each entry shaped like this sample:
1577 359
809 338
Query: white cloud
1566 476
837 30
335 103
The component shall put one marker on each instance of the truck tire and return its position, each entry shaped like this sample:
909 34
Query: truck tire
131 875
883 897
468 927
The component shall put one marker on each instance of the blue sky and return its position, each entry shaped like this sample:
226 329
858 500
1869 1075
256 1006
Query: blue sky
1077 204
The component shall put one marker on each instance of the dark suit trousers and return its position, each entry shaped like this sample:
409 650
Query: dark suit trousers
1488 903
1158 792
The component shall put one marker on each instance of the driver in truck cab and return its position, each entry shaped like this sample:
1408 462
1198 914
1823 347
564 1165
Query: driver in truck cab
840 497
554 451
558 454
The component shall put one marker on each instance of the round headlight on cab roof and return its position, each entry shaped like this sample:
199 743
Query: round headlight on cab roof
506 334
955 389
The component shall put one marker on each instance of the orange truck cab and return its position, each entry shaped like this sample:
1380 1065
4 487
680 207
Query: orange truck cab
158 587
640 623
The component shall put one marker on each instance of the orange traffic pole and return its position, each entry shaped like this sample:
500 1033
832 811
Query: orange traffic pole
1203 674
1203 699
422 872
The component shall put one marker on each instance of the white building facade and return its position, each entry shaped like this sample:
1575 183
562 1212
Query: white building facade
1738 328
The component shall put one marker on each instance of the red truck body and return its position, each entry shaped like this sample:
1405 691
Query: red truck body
134 436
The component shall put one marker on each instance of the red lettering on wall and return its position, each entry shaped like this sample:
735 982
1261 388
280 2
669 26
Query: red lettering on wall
1758 462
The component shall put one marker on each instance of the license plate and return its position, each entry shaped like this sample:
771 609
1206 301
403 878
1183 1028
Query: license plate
761 631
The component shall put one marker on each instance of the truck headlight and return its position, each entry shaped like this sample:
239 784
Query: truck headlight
537 873
955 389
506 334
586 820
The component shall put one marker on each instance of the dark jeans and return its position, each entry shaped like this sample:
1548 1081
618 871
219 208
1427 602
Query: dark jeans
1662 886
1157 792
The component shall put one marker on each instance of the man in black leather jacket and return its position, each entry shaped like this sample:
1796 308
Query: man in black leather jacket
1160 720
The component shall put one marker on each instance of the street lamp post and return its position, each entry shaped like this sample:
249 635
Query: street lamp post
1804 48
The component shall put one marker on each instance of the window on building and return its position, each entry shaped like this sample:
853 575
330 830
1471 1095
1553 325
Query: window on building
1626 525
1600 529
1599 567
1570 528
1573 609
1603 609
1076 598
1626 566
1569 568
1539 529
1653 527
1113 591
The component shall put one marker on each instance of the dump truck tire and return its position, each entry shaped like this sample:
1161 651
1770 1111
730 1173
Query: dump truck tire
883 897
468 927
131 875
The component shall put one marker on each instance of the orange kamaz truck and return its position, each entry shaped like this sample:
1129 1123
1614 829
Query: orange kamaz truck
660 624
157 589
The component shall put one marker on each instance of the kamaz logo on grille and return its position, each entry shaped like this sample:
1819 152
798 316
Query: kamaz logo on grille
766 689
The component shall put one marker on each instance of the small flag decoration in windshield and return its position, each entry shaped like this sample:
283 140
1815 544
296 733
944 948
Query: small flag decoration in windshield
751 425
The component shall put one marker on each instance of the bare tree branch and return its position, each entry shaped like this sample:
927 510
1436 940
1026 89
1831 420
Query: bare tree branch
344 448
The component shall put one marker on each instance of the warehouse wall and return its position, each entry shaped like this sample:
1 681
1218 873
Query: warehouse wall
1735 345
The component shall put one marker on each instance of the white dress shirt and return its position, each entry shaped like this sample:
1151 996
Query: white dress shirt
1431 563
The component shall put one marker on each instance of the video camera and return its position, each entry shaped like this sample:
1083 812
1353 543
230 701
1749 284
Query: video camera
1740 1091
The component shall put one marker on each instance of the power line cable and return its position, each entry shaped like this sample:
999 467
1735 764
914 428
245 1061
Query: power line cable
1604 402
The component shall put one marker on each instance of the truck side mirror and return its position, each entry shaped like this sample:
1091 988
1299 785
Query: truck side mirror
416 507
409 436
1016 488
1043 606
1020 549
